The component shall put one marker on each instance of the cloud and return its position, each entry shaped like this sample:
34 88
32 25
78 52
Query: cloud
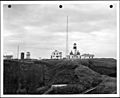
41 28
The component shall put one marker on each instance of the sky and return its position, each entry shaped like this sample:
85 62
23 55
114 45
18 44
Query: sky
41 29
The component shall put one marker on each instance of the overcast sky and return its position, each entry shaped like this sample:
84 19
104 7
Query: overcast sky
41 29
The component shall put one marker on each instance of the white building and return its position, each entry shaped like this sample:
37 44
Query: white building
56 55
87 56
75 54
8 57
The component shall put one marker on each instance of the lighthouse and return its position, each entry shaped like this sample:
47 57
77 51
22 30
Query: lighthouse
75 54
75 49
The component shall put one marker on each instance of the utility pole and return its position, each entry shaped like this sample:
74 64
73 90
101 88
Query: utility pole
18 52
67 38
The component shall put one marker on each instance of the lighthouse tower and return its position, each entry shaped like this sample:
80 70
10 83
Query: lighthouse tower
75 49
75 54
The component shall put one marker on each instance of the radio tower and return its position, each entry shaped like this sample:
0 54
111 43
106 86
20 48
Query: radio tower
67 39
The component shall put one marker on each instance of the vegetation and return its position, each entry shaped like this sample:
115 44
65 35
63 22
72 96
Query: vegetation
108 86
37 77
104 66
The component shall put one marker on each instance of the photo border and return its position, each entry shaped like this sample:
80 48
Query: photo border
58 3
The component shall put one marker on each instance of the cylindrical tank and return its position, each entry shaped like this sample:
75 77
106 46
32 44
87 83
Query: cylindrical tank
28 55
22 55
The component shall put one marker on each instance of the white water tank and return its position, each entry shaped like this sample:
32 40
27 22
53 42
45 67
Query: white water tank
28 55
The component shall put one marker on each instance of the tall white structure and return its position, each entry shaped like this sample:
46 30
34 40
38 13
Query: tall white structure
67 39
28 55
75 54
56 55
75 48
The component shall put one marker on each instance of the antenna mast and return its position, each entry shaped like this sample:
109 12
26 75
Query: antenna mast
67 38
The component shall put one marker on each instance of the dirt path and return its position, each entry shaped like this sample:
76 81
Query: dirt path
88 90
49 90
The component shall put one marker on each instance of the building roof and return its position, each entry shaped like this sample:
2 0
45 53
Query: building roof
8 55
87 54
71 53
78 53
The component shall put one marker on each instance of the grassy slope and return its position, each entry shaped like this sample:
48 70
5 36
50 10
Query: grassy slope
35 75
103 66
78 77
107 86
